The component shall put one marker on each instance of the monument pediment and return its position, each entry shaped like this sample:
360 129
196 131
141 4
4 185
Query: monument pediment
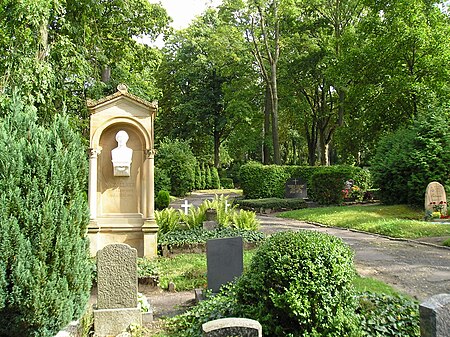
122 98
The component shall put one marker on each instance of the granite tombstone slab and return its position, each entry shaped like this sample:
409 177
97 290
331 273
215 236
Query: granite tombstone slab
225 261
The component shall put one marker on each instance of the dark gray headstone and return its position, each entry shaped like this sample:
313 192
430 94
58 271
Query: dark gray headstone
224 261
435 316
296 188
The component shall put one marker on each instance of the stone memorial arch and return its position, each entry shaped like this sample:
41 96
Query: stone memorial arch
121 173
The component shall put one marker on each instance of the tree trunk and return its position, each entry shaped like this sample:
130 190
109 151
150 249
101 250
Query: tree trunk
274 101
106 74
216 149
267 110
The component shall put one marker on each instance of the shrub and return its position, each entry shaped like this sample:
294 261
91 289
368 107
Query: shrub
275 204
407 160
327 183
259 181
176 159
162 200
162 180
215 181
386 315
200 236
45 274
300 283
226 183
202 177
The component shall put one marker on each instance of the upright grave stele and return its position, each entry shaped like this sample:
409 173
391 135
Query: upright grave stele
121 173
117 284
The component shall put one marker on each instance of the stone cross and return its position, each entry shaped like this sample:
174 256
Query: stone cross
186 207
226 205
435 316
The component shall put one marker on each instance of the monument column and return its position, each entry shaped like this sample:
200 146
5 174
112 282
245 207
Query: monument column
150 228
92 196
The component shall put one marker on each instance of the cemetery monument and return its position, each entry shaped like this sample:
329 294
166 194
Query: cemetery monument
121 173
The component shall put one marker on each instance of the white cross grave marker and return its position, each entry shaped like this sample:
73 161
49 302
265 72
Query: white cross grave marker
186 207
226 205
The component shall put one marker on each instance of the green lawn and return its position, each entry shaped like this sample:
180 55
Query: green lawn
398 221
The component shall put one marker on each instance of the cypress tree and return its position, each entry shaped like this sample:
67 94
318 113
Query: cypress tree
203 177
208 180
45 270
215 180
198 177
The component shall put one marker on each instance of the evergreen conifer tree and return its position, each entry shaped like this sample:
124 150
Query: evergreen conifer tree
202 177
215 180
198 177
208 180
44 264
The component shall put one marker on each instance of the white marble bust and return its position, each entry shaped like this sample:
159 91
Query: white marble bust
122 155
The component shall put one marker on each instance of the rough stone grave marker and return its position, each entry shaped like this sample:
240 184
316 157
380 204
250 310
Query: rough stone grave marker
296 188
435 316
226 327
225 261
117 282
435 196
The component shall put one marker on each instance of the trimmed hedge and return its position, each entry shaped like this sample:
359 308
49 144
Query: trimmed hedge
275 204
268 181
327 183
259 181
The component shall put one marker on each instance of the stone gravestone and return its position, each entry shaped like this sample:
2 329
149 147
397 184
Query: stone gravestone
296 188
117 282
226 327
211 220
435 316
435 195
225 261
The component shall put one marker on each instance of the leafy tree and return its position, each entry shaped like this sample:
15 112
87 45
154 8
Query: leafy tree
407 160
177 160
54 52
202 70
45 270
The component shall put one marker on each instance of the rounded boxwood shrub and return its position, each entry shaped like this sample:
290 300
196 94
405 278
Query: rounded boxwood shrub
162 200
226 183
300 284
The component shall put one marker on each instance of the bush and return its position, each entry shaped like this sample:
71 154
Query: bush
162 180
300 284
162 200
384 315
200 236
327 183
226 183
259 181
45 274
177 160
275 204
407 160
